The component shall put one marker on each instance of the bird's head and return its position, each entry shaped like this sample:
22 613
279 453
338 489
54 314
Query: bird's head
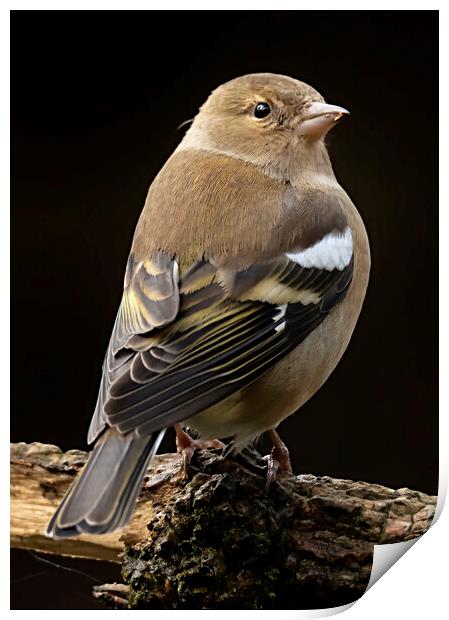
273 121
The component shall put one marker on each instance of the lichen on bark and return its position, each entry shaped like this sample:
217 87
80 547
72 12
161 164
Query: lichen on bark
222 541
218 539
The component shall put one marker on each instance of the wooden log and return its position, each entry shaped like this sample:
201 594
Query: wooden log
219 539
40 477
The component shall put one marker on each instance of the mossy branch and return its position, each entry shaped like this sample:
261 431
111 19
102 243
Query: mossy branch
218 539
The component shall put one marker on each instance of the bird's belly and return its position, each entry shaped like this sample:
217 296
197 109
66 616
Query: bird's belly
285 388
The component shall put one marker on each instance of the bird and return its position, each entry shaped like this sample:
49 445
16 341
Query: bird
245 279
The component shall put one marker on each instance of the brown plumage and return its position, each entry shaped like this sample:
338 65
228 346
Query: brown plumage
246 276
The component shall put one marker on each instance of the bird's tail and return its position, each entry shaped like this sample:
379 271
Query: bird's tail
103 496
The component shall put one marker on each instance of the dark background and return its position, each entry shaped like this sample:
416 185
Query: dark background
96 101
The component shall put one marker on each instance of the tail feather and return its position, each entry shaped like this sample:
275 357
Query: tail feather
102 498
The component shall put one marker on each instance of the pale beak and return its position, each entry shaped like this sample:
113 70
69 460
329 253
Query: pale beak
319 118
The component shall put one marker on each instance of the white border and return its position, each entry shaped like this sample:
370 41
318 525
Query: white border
238 5
5 298
416 586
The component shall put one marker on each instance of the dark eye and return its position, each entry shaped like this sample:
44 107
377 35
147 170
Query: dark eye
262 110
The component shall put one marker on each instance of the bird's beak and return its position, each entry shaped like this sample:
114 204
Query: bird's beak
318 118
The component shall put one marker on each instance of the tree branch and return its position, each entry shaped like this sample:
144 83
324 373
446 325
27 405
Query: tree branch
219 539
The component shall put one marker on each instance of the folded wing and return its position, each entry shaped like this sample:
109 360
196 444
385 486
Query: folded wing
180 347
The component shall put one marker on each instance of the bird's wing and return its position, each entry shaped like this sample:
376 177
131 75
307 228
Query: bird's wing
183 343
150 300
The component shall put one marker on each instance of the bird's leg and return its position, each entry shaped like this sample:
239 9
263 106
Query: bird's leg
186 446
279 458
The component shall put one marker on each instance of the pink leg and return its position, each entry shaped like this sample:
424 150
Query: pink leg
279 458
186 446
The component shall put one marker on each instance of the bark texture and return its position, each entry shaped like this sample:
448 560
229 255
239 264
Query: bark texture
218 539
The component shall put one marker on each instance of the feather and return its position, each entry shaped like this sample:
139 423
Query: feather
103 496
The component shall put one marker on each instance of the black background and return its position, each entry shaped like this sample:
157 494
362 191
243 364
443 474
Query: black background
96 101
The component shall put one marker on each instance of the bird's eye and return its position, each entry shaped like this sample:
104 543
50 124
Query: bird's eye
262 110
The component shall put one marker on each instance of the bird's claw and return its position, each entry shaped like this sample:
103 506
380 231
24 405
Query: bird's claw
187 445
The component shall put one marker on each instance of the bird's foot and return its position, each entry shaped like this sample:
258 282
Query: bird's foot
278 459
187 445
248 457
